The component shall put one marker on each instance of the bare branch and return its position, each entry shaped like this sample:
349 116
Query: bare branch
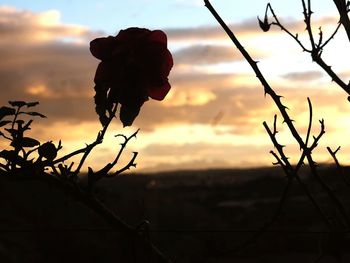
280 25
316 50
310 122
330 38
343 13
86 150
338 165
267 89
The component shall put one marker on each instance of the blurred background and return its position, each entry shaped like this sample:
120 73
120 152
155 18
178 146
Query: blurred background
212 117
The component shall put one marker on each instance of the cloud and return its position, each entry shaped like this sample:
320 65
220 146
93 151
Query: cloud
248 27
304 76
43 59
210 32
18 26
202 54
205 54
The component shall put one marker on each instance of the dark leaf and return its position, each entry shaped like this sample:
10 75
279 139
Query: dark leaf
32 104
6 111
3 123
29 142
26 126
13 132
8 155
33 113
128 114
20 122
264 25
101 102
25 142
17 103
48 150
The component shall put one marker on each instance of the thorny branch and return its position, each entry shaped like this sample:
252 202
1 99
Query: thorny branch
343 10
104 172
316 48
338 165
292 172
19 166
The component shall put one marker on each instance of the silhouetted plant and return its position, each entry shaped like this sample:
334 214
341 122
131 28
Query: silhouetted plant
337 225
135 65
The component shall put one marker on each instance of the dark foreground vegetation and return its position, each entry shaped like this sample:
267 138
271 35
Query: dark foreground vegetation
191 216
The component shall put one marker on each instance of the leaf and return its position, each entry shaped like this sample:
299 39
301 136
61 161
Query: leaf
20 122
6 111
101 102
264 25
26 126
3 123
32 104
29 142
13 132
48 150
25 142
128 114
17 103
34 113
8 155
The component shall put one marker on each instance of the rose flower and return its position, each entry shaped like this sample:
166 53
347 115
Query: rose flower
134 66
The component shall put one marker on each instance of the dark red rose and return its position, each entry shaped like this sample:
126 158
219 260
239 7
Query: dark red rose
134 66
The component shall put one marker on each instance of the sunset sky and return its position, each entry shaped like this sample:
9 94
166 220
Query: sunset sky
213 115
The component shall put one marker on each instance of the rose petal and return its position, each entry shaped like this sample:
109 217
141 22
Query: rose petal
102 73
158 36
132 33
128 114
102 48
170 61
159 93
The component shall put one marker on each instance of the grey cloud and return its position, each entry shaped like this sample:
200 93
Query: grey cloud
65 70
304 76
248 26
206 54
210 32
18 26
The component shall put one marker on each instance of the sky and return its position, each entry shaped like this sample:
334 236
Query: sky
212 117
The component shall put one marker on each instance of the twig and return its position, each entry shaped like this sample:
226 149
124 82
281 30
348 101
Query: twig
291 174
293 171
104 172
316 49
343 13
86 150
123 145
307 19
330 38
280 25
310 122
267 88
338 165
277 100
98 140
